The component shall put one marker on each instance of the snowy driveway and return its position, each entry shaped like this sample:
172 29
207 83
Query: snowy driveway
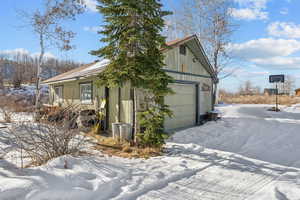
252 131
220 171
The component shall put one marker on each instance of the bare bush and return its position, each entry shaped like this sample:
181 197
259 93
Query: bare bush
42 142
7 115
5 110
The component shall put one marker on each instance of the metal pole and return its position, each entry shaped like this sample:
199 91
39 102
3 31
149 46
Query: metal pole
276 98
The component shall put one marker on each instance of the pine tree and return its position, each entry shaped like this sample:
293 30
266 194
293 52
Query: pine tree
133 46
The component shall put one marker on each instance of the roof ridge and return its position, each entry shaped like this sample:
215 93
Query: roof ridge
69 72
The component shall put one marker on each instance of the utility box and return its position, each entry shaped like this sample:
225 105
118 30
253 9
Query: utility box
116 130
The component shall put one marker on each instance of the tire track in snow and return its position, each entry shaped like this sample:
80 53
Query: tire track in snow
206 185
164 183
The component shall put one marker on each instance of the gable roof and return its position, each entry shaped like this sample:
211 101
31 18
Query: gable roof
83 71
193 43
91 69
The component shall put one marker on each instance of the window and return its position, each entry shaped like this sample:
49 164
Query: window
182 50
86 94
58 94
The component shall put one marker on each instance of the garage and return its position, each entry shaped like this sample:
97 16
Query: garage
183 105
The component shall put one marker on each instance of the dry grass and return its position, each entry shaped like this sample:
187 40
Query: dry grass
124 149
259 99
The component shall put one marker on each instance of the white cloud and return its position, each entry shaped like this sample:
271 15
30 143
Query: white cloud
14 52
268 52
284 29
250 10
21 51
248 14
279 62
284 11
47 55
264 47
256 4
90 4
93 29
238 72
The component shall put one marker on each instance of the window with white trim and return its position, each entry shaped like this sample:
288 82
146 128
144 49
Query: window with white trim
58 94
86 94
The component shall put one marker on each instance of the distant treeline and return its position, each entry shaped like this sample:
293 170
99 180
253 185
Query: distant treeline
21 68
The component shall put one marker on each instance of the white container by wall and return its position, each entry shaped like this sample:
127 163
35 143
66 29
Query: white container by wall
116 130
126 131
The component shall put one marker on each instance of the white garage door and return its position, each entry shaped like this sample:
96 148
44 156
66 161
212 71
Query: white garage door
183 105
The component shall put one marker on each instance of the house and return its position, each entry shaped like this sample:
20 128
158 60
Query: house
297 92
185 61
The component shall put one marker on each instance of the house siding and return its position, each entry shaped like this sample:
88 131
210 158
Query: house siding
71 96
71 93
194 71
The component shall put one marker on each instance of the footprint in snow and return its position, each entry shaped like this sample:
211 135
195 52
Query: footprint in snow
87 176
160 175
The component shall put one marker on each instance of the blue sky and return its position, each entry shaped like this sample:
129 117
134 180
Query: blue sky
266 42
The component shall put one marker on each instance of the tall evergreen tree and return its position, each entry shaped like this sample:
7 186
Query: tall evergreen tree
133 46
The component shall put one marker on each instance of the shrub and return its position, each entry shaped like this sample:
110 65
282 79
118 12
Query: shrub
7 115
42 142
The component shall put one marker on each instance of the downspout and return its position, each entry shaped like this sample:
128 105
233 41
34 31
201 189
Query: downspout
107 108
197 104
119 104
133 112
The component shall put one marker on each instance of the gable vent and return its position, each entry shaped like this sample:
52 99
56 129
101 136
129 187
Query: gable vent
182 49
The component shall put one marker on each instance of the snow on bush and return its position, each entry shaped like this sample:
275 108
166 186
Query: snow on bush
42 142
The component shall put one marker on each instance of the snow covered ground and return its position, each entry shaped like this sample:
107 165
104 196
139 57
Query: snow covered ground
28 90
293 109
250 154
22 116
251 131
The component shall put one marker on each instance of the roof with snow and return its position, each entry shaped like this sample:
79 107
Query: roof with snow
95 68
83 71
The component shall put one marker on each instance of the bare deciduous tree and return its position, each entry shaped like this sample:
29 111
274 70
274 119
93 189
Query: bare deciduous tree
247 88
1 75
46 24
288 86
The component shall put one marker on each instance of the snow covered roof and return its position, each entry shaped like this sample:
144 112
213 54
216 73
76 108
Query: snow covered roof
83 71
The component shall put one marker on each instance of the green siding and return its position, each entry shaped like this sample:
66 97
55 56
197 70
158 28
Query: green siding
71 92
71 96
174 61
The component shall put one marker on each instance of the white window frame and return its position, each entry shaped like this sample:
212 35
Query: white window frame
58 96
86 101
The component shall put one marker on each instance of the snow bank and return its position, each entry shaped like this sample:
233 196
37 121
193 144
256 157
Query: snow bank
292 109
27 93
27 90
18 117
